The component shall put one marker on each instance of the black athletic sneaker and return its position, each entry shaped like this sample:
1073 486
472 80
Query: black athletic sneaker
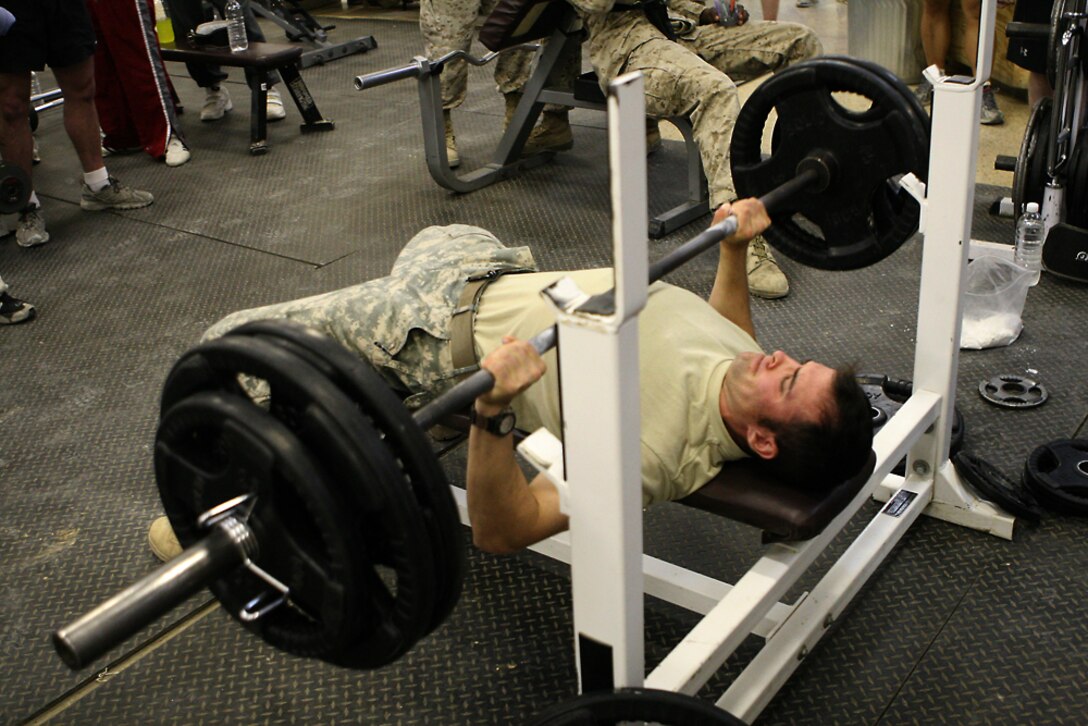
13 310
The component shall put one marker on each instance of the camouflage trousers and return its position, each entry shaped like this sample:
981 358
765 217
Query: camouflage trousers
449 25
400 323
696 76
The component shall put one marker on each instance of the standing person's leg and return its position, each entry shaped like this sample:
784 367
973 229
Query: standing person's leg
118 127
990 114
447 25
770 10
936 31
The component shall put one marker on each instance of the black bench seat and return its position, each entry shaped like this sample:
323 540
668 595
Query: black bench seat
263 58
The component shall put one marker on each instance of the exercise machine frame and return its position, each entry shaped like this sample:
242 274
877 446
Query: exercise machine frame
598 356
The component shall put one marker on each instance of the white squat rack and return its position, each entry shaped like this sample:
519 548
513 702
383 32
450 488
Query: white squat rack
599 359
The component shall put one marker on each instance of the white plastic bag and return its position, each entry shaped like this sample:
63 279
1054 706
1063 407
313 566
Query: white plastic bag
994 293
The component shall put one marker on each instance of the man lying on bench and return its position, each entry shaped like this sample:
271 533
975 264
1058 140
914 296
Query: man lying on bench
709 393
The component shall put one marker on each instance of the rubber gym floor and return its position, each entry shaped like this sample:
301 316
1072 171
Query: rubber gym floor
955 627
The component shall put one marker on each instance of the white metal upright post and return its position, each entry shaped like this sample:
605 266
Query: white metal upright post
598 365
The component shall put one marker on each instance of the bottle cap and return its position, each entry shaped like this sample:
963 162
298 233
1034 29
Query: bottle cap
1032 208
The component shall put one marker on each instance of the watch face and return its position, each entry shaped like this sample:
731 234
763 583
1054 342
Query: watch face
505 423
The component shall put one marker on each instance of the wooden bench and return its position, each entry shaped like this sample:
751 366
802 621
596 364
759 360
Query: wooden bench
263 58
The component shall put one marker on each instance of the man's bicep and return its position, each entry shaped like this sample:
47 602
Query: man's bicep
549 520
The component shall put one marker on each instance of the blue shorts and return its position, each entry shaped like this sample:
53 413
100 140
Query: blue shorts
57 33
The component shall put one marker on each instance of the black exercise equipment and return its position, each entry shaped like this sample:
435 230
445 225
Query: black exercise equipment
1030 176
342 539
299 25
887 395
1057 474
14 189
991 484
1013 391
862 217
635 705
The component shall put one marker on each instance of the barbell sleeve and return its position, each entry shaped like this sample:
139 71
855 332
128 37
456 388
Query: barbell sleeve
222 550
389 75
461 396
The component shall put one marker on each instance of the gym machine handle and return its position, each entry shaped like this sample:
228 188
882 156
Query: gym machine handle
813 174
222 550
421 66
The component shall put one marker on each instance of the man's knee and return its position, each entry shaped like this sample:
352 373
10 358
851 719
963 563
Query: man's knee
14 99
77 82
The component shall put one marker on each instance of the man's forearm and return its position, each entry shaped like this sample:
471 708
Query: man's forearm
498 493
729 296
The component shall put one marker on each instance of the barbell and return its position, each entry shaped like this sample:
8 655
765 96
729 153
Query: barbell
321 518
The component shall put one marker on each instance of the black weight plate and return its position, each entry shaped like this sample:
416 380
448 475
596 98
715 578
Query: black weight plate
1058 24
922 120
392 538
887 395
211 447
14 189
1030 175
410 445
638 705
1076 185
1057 474
1010 391
862 216
991 484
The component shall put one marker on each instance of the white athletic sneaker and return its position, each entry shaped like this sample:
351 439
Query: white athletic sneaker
176 152
274 106
216 103
31 230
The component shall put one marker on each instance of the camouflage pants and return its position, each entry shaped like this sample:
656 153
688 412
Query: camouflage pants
400 323
696 76
449 25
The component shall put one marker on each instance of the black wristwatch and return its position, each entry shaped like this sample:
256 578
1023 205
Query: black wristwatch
500 424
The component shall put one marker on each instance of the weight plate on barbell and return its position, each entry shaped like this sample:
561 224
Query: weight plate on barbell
1030 175
211 447
887 395
1011 391
643 705
393 554
1057 474
1058 11
410 445
1076 183
862 215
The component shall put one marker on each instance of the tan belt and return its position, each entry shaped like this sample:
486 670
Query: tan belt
462 347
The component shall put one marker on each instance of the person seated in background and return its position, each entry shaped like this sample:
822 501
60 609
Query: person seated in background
185 15
135 99
709 393
59 34
936 39
694 73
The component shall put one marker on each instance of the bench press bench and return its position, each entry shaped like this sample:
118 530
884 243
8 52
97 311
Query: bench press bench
263 58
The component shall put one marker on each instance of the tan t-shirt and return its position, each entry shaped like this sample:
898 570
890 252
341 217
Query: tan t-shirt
685 348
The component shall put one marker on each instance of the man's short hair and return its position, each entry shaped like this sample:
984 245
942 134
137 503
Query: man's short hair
823 453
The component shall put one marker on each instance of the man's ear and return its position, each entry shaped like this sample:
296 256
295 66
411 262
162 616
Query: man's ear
762 441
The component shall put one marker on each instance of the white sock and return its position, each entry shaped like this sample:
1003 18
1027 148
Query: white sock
97 180
34 200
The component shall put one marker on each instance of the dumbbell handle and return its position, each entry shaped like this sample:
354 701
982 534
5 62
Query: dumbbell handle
461 396
220 552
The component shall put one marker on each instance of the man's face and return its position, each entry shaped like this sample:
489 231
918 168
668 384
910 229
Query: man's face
776 387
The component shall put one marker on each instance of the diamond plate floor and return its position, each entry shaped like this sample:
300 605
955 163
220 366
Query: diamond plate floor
956 627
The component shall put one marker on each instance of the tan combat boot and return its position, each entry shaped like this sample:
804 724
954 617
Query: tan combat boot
653 136
765 278
512 100
551 134
451 143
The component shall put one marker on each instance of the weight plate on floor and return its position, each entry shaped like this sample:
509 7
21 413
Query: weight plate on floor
211 447
1030 175
1057 473
1012 391
887 395
635 704
862 215
411 446
393 555
992 485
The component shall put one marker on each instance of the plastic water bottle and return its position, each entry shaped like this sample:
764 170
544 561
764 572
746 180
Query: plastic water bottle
1029 241
236 26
